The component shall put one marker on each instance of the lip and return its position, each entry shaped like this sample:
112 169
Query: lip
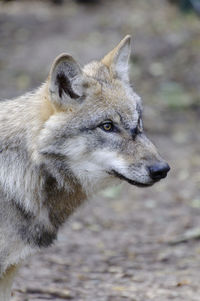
138 184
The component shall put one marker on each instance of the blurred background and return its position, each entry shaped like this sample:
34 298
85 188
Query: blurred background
126 244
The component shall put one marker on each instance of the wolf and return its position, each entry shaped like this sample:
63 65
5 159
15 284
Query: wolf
78 132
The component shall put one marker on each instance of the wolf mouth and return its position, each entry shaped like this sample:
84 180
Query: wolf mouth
132 182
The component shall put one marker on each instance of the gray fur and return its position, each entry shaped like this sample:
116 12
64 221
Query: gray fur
54 151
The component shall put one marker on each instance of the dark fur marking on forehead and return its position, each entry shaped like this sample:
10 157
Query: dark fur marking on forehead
64 84
134 131
125 124
139 109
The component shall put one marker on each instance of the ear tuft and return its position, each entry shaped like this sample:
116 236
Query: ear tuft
64 86
65 81
117 59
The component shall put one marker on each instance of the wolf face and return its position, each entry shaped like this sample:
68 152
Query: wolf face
97 128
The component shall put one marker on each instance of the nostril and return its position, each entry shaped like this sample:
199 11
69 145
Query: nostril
159 170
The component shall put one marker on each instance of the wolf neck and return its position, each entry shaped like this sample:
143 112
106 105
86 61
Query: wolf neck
41 200
61 201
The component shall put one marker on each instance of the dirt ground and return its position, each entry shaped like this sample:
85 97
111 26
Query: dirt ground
125 244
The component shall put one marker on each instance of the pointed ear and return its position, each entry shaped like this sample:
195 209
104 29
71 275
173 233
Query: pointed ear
65 80
117 59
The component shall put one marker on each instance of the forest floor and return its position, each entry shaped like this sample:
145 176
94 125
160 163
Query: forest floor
125 244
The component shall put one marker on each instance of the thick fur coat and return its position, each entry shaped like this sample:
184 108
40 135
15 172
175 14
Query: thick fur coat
80 131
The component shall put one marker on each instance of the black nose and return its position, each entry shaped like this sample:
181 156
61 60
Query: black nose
158 170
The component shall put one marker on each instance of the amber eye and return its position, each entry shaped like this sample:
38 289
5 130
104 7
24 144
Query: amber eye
107 127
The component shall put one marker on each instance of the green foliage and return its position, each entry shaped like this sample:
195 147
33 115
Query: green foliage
174 95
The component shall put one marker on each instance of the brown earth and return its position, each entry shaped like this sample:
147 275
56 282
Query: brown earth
126 244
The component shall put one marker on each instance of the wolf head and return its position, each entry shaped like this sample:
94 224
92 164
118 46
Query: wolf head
96 124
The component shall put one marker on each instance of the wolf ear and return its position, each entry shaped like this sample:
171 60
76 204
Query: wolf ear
117 59
65 80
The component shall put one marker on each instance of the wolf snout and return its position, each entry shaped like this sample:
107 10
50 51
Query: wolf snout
158 171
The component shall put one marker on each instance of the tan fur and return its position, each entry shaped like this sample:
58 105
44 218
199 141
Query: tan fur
55 151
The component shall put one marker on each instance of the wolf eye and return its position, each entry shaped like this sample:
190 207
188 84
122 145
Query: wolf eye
107 126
